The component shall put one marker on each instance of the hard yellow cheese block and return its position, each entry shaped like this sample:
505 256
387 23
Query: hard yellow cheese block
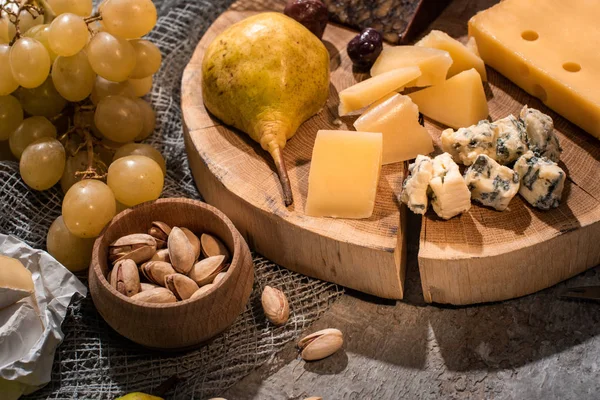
397 118
344 173
460 101
16 282
550 49
462 58
433 63
370 90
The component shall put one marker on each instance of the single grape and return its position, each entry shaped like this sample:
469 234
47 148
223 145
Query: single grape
30 130
4 39
135 179
128 19
312 14
11 116
29 62
8 84
42 163
41 34
118 118
148 58
68 35
73 77
142 149
74 164
26 22
148 119
71 251
103 88
112 58
87 207
365 47
141 87
83 8
43 100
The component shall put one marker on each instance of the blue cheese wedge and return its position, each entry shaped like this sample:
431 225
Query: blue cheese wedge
414 187
510 140
448 191
490 183
542 181
466 144
539 129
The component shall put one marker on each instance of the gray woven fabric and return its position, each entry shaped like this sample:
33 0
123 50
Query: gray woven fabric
94 362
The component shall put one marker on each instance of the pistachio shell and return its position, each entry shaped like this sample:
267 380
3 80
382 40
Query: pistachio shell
200 292
194 241
155 271
205 271
219 277
147 286
156 295
181 286
160 232
161 255
275 305
320 344
125 277
212 246
138 247
181 251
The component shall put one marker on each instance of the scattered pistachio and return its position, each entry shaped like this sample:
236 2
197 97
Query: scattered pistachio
275 305
155 271
181 286
211 246
314 398
125 277
156 295
205 271
160 232
200 292
320 344
161 255
194 241
138 247
181 251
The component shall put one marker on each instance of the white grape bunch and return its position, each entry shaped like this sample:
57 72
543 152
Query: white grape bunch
71 109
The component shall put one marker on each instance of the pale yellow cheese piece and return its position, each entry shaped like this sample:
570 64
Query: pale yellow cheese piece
370 90
462 58
16 282
344 173
549 48
433 63
472 46
397 118
459 101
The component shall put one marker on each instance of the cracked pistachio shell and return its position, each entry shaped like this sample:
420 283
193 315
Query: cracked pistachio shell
181 251
194 241
205 271
212 246
182 287
160 232
125 277
138 247
156 295
155 271
275 305
320 344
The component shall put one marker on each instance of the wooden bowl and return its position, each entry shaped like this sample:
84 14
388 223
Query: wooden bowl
185 324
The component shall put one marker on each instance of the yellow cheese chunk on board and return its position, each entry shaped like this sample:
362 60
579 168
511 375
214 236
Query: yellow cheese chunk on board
462 58
397 118
344 173
433 63
370 90
458 102
16 282
550 49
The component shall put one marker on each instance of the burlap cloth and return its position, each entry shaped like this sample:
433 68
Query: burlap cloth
94 362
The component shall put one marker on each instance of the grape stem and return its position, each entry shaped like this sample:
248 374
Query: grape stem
15 16
90 172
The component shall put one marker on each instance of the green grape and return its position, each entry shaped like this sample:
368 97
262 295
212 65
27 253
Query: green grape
142 149
41 34
112 58
4 39
11 116
103 88
87 207
68 35
135 179
74 164
8 84
73 77
118 118
42 163
29 62
129 19
148 119
71 251
43 100
141 87
30 130
148 59
83 8
26 22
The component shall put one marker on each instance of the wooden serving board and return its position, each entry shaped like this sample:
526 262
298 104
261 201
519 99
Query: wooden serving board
481 256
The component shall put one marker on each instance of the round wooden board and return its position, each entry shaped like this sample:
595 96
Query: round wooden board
481 256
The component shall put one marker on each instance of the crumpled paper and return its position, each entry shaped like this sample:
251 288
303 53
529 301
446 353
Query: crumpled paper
30 330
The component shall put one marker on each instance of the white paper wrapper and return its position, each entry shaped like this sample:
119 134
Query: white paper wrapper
30 329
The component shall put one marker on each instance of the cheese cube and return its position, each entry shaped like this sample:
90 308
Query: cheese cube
416 185
459 101
16 282
370 90
539 129
449 193
542 181
397 118
462 58
490 183
344 173
433 63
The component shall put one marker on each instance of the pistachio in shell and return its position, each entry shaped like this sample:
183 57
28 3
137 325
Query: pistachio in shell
181 251
138 247
201 291
212 246
161 255
181 286
160 232
155 271
158 295
320 344
275 305
194 241
205 271
219 277
144 286
125 277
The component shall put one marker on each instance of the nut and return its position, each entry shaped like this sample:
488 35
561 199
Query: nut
125 277
201 291
181 251
156 295
205 271
137 247
194 241
219 277
275 305
181 286
211 246
147 286
155 271
314 398
160 232
320 344
161 255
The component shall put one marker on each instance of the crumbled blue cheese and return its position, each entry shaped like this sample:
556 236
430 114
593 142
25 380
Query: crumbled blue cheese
541 138
510 140
490 183
448 191
542 181
466 144
414 188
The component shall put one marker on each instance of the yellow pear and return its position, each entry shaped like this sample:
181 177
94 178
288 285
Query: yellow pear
265 76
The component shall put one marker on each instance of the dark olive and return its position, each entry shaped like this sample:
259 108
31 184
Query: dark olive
365 47
310 13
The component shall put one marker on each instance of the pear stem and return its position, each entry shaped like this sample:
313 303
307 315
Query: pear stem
277 155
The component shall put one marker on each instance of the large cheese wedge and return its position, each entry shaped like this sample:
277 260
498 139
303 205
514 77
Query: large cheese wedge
462 58
433 63
458 102
397 118
551 49
16 282
370 90
344 173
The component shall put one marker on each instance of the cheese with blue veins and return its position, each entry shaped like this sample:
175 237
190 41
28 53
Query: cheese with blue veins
448 191
542 181
491 184
414 187
510 140
539 129
466 144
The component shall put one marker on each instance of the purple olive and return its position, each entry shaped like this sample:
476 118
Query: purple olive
312 14
365 47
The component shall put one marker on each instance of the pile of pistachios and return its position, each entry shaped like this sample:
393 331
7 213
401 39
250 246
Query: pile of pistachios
167 264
